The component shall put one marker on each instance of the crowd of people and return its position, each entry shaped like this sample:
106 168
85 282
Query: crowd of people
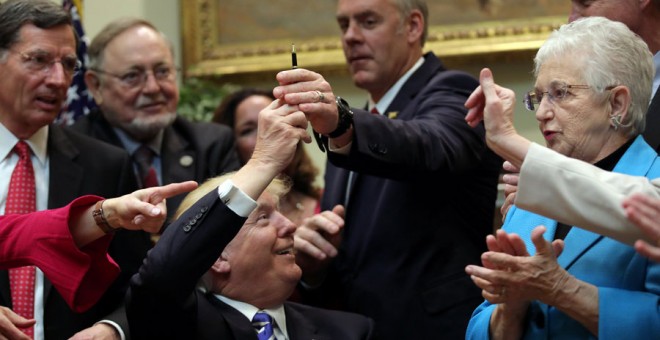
148 225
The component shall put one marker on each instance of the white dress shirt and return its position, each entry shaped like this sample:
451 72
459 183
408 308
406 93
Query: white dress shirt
277 314
40 162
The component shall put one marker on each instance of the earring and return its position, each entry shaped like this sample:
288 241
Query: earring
615 121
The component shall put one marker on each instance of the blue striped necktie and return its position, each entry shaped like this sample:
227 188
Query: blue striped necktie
263 324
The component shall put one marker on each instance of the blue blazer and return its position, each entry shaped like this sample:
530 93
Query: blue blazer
628 283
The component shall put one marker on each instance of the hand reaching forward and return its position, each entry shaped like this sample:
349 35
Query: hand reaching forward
316 242
143 209
644 212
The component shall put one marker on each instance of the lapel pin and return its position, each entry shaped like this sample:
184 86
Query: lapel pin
392 115
186 161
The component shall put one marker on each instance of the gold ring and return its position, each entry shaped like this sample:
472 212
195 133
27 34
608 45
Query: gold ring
321 96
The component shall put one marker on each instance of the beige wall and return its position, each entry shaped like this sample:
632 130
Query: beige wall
165 15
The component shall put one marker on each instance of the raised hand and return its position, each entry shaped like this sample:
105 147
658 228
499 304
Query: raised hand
316 241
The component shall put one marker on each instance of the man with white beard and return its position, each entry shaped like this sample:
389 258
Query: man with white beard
132 77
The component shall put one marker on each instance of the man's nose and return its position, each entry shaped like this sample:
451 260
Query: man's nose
285 228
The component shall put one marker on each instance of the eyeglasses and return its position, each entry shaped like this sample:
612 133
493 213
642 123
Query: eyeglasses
137 78
41 61
557 92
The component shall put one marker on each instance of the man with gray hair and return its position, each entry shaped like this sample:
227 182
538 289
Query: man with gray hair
37 63
400 256
132 77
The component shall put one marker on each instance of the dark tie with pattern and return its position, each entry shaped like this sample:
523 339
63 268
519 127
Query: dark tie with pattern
143 158
21 199
263 324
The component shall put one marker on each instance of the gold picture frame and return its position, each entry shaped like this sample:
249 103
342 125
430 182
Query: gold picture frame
468 39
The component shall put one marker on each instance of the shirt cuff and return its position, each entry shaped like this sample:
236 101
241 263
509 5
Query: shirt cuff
115 326
235 199
344 150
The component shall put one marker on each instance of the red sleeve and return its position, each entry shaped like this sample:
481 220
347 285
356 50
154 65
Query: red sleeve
43 239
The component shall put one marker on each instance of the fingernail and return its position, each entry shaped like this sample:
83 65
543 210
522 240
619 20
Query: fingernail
155 211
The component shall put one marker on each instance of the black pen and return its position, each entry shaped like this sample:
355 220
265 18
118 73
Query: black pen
294 59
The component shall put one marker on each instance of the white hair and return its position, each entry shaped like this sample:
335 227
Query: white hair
609 54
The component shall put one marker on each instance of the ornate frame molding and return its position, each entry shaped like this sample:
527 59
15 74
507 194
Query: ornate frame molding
482 42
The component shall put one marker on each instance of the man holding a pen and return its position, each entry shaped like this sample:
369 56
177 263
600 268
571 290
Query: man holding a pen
400 257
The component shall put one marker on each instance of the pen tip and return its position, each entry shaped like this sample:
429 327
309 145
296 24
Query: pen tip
293 48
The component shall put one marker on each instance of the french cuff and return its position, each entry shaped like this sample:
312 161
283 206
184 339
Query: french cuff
235 199
115 326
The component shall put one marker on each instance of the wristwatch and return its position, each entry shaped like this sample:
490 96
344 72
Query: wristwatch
345 118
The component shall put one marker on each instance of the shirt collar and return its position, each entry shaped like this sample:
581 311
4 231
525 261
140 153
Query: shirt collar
387 99
131 145
38 143
277 313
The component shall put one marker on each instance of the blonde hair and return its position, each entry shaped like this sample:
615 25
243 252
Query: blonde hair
278 187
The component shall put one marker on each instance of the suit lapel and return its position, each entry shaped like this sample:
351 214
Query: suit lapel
415 83
65 175
5 293
636 161
239 326
298 326
577 242
178 161
101 129
652 131
522 217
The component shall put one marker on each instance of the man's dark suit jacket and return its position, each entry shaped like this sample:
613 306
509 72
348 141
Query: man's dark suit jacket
209 147
421 205
163 302
652 130
80 165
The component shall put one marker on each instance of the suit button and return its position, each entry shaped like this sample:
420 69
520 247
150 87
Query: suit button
377 148
187 228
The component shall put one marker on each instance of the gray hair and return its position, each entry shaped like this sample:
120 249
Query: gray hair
110 32
610 55
41 13
407 6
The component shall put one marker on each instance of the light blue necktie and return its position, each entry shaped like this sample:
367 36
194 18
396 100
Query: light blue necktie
263 323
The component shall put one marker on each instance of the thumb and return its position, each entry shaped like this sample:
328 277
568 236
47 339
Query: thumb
487 82
339 210
542 246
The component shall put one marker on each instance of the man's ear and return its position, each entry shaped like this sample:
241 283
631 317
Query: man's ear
94 86
415 26
221 266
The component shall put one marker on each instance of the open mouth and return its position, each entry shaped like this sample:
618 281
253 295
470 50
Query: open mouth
287 251
48 100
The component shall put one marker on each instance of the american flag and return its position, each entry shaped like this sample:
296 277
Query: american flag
79 101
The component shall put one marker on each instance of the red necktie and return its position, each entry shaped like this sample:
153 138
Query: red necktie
374 110
143 157
21 199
